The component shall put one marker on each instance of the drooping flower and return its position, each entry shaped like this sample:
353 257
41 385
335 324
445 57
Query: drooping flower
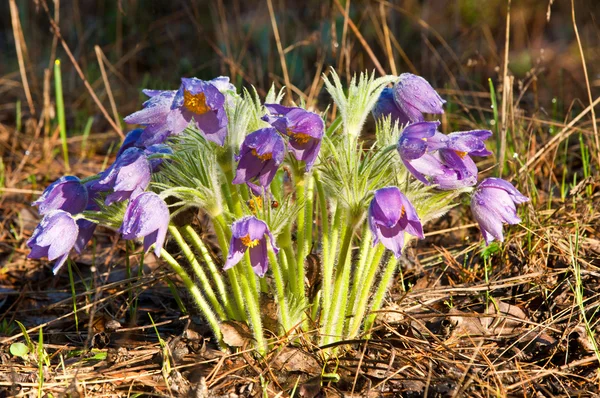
260 155
168 113
130 140
305 130
391 215
67 193
386 106
492 204
155 116
130 172
54 238
415 96
415 141
469 142
249 233
147 216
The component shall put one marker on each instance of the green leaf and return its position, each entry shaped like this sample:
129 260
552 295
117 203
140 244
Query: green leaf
19 350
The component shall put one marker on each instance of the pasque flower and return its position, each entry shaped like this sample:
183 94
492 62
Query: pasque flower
492 204
391 215
260 155
170 112
305 130
415 96
249 233
445 160
54 238
147 216
386 106
67 193
130 172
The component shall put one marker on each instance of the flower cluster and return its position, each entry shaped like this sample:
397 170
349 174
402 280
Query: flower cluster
445 160
194 146
64 226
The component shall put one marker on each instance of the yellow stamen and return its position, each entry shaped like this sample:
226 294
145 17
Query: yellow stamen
298 137
256 203
461 154
402 211
195 102
264 157
249 242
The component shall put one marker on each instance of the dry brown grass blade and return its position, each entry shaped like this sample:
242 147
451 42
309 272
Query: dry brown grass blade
19 45
506 95
56 30
286 76
563 134
587 83
113 105
361 39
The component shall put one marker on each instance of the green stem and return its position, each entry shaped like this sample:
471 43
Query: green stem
198 271
233 192
248 283
298 288
327 261
360 305
334 325
384 283
197 296
222 232
191 234
285 243
359 269
281 296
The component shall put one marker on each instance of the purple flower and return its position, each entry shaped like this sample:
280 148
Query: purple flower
304 129
260 155
415 96
386 106
492 204
67 193
54 238
469 142
156 117
130 140
391 215
147 216
130 172
170 112
249 233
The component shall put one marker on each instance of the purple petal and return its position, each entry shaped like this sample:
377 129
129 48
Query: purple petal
258 258
415 96
386 106
236 252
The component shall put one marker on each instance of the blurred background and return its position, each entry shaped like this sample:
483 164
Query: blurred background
457 45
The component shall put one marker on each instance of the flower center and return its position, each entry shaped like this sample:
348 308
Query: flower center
255 204
195 102
249 242
264 157
402 211
461 154
298 137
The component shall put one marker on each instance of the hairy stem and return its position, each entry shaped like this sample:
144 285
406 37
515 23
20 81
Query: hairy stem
384 283
366 283
197 296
